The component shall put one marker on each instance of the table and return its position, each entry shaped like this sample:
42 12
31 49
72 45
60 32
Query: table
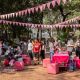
60 58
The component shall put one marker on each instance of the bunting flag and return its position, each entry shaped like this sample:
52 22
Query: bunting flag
69 21
36 9
53 3
41 8
44 6
58 2
29 11
32 10
40 26
48 5
64 1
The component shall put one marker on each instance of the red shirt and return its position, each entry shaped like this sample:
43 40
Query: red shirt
36 47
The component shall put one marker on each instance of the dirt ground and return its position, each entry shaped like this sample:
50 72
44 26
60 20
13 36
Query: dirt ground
39 73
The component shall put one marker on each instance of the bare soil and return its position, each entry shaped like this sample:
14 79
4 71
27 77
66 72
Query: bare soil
39 73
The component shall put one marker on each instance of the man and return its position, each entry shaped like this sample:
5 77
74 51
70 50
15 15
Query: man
36 50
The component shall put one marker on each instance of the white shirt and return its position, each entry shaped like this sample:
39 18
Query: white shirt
30 46
51 46
70 45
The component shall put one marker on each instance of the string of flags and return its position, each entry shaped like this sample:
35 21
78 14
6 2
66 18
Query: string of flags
44 26
33 9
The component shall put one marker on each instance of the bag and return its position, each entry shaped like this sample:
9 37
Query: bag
19 65
27 60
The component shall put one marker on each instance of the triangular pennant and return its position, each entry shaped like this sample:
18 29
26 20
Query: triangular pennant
56 26
17 23
8 16
50 26
38 25
26 24
44 6
48 5
64 1
58 2
10 22
7 22
47 26
41 8
13 15
32 10
36 9
53 3
71 26
13 23
22 13
64 26
29 24
19 13
32 26
16 14
23 24
61 26
29 11
3 17
25 12
35 25
43 26
4 22
20 24
0 21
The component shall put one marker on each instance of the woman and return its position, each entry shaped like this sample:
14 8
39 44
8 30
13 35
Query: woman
42 51
51 46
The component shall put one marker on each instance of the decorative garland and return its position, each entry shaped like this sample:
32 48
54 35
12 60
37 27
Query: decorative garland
42 26
33 9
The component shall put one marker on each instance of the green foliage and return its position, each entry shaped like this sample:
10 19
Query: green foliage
47 17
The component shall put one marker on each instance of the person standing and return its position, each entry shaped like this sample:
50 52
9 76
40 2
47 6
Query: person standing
51 46
70 46
42 54
30 48
36 50
78 50
1 47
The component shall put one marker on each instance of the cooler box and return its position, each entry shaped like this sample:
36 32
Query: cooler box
19 65
52 68
46 62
